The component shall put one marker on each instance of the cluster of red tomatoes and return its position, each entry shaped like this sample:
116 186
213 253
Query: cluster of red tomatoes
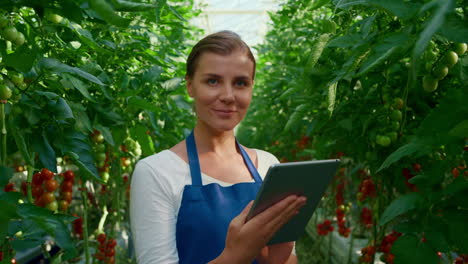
325 227
78 226
340 217
386 246
462 259
366 217
367 254
106 249
408 174
366 189
44 186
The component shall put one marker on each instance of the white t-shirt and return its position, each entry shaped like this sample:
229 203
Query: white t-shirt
156 194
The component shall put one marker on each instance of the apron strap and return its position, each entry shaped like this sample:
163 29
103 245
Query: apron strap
195 171
253 171
194 164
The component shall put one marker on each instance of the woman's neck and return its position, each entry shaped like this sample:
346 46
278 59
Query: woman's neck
221 143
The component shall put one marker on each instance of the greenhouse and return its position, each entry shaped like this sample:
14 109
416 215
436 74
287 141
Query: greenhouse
208 131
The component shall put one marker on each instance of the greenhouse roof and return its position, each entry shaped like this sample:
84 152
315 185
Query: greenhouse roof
249 18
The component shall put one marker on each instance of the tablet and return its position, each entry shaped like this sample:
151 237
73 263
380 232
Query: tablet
305 178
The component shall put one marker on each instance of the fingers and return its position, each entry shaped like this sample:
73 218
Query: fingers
285 215
243 215
281 209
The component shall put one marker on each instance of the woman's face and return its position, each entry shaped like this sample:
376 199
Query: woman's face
222 89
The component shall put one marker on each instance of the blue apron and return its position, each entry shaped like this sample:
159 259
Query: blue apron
207 210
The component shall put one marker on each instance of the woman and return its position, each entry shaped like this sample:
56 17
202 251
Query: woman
179 214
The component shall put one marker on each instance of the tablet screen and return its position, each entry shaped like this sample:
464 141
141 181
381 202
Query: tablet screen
306 178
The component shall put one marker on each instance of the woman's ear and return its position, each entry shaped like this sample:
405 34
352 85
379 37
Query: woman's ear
189 86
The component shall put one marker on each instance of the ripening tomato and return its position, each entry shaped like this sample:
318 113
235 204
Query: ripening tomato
47 197
37 191
67 196
63 205
53 206
51 185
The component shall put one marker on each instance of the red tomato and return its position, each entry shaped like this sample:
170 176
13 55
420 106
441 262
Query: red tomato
69 175
51 185
67 186
47 174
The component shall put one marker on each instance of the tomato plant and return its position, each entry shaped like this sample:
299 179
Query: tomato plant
87 88
383 90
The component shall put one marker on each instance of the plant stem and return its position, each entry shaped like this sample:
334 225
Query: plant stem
30 169
84 199
4 134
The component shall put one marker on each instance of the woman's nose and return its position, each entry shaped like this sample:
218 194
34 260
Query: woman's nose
227 93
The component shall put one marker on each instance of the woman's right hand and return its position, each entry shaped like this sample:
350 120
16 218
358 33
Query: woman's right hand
245 240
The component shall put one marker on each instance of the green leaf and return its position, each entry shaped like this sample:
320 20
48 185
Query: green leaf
399 8
106 133
41 145
141 104
147 146
56 66
381 51
401 205
8 213
460 130
72 82
317 51
62 111
107 13
455 29
76 142
22 59
83 169
82 122
128 6
174 11
172 84
20 143
332 97
405 150
5 175
433 25
457 228
409 249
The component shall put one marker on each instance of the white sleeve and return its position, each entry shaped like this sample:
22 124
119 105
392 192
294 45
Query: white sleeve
152 217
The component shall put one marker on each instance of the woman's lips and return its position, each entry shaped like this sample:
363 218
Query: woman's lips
224 112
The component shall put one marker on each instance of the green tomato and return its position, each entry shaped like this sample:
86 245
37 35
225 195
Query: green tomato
5 92
4 22
398 103
451 58
440 72
54 18
396 115
101 156
430 83
460 48
105 176
98 138
17 79
430 56
10 33
329 26
393 136
19 40
101 147
395 125
384 141
53 206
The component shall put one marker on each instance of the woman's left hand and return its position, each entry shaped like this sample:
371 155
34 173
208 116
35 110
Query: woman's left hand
276 254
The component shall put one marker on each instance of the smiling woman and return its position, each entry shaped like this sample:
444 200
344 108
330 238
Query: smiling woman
198 192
